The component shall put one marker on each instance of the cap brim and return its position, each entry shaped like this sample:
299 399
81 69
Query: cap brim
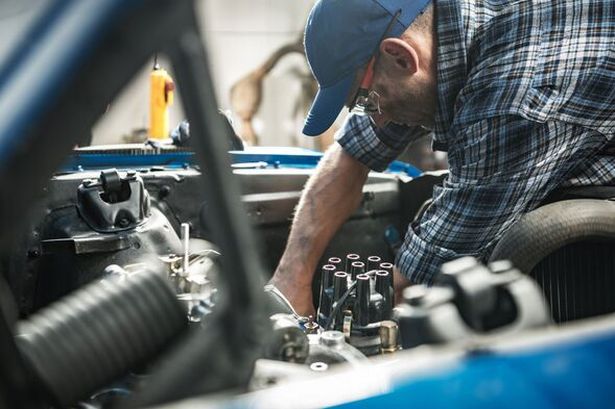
327 106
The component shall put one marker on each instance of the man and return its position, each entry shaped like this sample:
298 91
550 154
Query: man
520 93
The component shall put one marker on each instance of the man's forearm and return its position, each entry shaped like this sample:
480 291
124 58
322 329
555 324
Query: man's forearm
329 198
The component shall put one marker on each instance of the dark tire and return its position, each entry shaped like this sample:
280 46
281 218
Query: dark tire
548 228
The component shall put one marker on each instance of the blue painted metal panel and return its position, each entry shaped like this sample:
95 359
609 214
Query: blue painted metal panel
274 157
568 375
96 161
279 157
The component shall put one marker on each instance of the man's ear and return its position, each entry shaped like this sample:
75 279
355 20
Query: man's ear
403 56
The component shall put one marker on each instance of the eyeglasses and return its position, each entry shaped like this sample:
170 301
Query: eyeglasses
366 101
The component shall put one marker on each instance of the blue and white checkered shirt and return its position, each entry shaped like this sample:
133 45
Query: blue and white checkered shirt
526 105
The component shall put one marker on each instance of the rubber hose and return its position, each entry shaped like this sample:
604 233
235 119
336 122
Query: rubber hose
98 333
546 229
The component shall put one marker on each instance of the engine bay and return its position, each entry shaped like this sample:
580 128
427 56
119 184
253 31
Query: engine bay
123 233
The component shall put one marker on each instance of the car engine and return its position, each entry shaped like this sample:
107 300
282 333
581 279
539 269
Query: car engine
127 250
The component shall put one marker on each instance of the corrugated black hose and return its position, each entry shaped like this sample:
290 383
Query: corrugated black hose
100 332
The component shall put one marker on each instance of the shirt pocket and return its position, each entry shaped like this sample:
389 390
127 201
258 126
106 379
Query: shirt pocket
543 97
574 83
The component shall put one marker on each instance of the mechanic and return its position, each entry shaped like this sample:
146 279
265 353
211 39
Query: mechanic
520 94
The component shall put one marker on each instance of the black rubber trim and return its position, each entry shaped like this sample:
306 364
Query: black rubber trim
99 333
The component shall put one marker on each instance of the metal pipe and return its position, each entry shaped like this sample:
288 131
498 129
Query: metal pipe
383 287
350 258
185 229
373 263
356 268
340 286
362 303
326 290
336 261
389 267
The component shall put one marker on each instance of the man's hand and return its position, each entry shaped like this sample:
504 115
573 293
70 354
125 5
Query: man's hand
299 295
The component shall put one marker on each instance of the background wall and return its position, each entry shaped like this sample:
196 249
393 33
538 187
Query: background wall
240 35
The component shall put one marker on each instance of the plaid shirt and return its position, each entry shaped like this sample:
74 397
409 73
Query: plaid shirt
526 105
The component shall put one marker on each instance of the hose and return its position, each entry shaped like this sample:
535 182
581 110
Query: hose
548 228
99 333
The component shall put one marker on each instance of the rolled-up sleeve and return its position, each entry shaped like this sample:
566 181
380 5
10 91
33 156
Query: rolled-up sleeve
501 168
375 147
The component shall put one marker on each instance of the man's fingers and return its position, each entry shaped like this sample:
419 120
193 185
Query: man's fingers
299 297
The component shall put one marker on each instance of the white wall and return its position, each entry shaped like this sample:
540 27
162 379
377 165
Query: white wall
240 35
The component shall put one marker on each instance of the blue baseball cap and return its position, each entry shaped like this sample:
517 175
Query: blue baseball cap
340 38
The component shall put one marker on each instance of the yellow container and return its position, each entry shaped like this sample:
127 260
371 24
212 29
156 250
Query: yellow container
161 97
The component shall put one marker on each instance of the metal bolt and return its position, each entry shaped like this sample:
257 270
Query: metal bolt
165 191
319 366
332 338
310 326
388 336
